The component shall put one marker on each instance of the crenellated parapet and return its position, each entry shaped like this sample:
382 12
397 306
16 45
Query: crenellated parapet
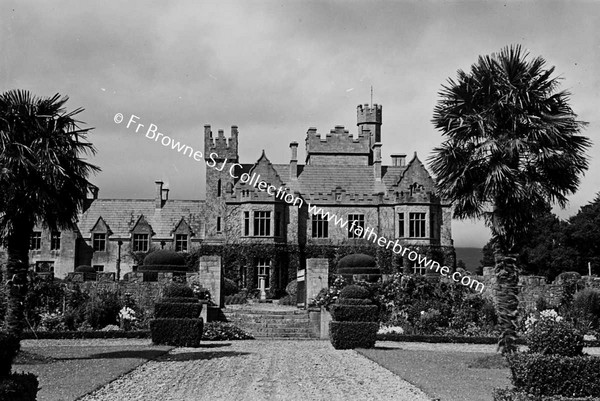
220 145
337 143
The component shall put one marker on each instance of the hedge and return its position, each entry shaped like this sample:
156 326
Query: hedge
72 335
161 268
19 387
164 257
538 374
354 301
354 291
348 335
177 310
9 347
512 395
177 332
359 270
181 300
441 339
353 313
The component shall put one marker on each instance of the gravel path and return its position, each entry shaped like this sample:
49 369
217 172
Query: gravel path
260 370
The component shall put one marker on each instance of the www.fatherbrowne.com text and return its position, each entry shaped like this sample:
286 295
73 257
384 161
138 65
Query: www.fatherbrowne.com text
213 161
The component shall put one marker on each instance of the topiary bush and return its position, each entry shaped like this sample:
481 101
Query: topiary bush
354 323
230 287
164 257
85 269
177 318
354 292
357 260
177 290
550 337
360 267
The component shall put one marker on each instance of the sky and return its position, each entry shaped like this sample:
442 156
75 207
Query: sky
276 68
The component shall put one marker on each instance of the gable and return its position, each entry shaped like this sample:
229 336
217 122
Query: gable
182 228
142 226
415 178
263 168
101 227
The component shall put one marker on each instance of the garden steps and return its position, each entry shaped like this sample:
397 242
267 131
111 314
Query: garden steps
263 323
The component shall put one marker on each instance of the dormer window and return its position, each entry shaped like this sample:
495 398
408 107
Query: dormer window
141 235
141 242
99 242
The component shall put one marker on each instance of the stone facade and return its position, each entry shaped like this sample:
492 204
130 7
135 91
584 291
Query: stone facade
343 175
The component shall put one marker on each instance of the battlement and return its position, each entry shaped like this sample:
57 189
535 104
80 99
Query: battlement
337 140
223 147
368 114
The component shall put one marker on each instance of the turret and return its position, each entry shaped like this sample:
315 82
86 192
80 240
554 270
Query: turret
222 147
369 119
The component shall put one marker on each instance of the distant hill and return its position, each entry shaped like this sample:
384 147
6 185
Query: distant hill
471 257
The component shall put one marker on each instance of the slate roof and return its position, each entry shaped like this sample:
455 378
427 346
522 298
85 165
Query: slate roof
121 215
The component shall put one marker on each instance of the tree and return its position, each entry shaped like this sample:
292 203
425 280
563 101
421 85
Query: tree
584 235
512 148
460 264
43 180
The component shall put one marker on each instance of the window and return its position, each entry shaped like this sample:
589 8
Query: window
44 267
278 224
99 242
417 225
354 221
219 187
55 240
263 268
181 242
36 241
262 224
246 223
218 224
320 226
140 243
400 225
99 268
419 270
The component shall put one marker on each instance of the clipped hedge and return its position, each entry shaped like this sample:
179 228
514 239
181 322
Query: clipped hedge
348 335
181 300
177 310
69 335
555 338
9 347
176 331
85 269
353 313
164 257
357 260
161 268
512 395
355 292
553 375
177 290
422 338
19 387
354 301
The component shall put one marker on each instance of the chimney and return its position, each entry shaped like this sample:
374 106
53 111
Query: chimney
398 160
165 194
377 160
158 194
294 161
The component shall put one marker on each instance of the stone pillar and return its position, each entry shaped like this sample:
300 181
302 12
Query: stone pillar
317 276
210 276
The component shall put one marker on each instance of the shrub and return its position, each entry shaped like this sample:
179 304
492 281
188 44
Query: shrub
354 301
355 292
223 331
550 337
9 347
230 287
586 306
288 300
357 260
353 313
176 331
165 257
292 288
181 300
85 269
19 387
235 299
512 395
552 375
348 335
177 290
430 320
103 310
177 310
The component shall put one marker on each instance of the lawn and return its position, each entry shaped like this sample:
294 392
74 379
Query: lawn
444 375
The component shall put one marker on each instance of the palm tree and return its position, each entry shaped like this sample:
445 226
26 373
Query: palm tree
43 180
512 148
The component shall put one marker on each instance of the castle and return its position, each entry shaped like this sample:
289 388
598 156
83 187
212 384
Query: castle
262 234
